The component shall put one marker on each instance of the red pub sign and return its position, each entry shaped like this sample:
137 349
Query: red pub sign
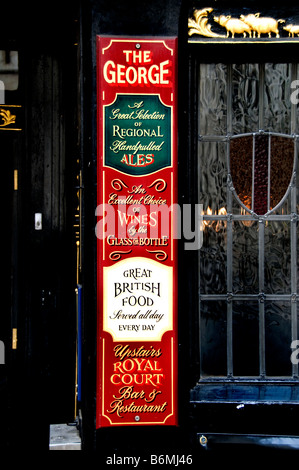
136 260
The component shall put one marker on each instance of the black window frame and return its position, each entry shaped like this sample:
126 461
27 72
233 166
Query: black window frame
214 402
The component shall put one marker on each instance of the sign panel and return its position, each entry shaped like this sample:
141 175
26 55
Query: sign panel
137 262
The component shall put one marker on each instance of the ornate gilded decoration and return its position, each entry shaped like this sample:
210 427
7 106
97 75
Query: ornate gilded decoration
116 255
199 25
159 184
251 26
292 29
262 25
7 117
118 184
233 25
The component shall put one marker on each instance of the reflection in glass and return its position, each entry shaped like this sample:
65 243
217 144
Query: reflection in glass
245 98
277 257
245 258
213 259
212 96
213 338
212 173
278 338
246 338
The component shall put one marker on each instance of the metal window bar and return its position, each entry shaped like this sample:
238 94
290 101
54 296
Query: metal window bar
261 242
253 167
294 223
229 249
269 174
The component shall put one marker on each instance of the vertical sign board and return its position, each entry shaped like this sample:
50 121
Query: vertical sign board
137 262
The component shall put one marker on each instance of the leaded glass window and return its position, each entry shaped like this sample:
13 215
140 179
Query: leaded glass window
247 158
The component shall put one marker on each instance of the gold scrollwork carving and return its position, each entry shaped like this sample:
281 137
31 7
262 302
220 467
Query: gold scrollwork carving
160 185
159 254
7 117
262 25
233 25
199 25
116 255
118 184
252 25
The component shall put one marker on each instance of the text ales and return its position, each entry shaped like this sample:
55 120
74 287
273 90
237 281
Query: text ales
137 259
